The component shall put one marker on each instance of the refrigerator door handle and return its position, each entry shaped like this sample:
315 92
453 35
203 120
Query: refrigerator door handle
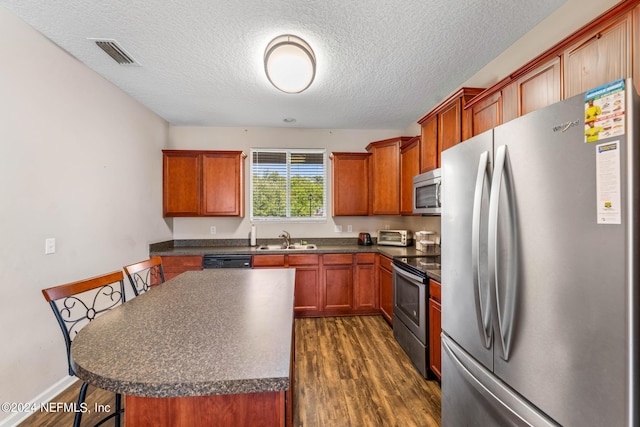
505 303
483 311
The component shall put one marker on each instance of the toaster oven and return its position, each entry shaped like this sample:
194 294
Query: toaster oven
395 237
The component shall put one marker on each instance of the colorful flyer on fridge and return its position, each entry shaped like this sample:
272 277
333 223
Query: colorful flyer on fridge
604 111
608 183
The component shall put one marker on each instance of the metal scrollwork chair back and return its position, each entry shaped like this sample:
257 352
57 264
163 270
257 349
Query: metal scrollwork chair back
145 274
75 305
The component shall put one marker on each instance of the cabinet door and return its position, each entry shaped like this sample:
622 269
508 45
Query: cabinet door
350 184
307 295
385 276
366 291
181 183
409 167
223 184
385 158
435 328
449 127
598 59
307 288
435 351
486 114
429 145
337 282
536 89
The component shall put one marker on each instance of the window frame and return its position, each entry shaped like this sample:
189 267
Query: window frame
289 218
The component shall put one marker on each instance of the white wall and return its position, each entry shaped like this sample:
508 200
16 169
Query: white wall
220 138
81 162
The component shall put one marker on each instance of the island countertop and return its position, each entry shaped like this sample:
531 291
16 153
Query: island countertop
210 332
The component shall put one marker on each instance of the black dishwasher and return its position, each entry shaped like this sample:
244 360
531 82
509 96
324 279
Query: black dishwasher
226 261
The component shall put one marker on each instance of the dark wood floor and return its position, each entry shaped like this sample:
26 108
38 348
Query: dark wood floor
349 372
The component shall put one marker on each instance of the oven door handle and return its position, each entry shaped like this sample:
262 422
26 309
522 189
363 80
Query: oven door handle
409 276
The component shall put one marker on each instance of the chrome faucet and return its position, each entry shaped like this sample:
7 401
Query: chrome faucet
287 239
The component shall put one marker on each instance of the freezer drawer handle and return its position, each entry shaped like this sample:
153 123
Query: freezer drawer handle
482 291
505 303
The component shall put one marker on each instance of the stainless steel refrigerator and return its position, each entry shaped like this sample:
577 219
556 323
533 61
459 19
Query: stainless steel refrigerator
540 256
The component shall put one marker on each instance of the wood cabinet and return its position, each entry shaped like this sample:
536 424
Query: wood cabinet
307 300
409 167
365 287
307 290
435 328
534 90
203 183
350 183
174 265
444 126
429 143
599 57
385 175
385 279
337 280
329 284
604 50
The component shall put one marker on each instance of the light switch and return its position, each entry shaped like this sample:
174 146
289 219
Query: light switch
50 246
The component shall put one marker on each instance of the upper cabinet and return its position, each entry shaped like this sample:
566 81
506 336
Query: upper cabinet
203 183
604 50
350 183
409 167
443 127
534 90
385 175
598 58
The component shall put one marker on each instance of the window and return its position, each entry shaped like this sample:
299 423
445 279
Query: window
288 184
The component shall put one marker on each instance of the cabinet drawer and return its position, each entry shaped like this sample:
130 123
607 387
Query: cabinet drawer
385 262
366 258
182 263
303 259
435 290
337 259
268 260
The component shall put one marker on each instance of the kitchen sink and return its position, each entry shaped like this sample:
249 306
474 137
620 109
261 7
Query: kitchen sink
292 247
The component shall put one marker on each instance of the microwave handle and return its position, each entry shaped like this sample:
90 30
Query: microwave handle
438 202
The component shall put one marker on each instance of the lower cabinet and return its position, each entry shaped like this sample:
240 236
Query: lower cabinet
329 284
307 292
365 285
337 281
385 279
435 316
174 265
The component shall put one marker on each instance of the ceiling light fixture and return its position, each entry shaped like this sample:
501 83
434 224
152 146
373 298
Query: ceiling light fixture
289 63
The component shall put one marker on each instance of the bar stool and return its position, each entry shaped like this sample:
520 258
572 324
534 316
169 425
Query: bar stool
78 303
145 274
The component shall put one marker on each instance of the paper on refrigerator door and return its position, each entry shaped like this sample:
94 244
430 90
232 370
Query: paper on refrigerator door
608 183
604 111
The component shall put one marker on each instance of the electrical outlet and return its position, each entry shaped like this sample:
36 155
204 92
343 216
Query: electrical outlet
349 228
213 229
49 246
338 229
386 226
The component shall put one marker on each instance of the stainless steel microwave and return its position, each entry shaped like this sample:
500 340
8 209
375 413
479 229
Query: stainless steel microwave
426 193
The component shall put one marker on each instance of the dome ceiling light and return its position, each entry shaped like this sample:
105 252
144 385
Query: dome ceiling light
289 63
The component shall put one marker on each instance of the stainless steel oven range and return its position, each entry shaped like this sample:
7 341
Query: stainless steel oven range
410 308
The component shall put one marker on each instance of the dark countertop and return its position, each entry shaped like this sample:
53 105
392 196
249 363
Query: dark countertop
240 247
221 331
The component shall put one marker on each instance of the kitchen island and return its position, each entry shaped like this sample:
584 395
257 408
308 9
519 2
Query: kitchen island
211 347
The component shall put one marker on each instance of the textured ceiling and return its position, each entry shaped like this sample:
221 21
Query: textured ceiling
382 64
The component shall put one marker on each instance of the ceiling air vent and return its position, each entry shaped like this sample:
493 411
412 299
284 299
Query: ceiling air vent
115 51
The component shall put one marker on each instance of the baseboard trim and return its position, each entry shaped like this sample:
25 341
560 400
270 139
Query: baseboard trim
46 396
